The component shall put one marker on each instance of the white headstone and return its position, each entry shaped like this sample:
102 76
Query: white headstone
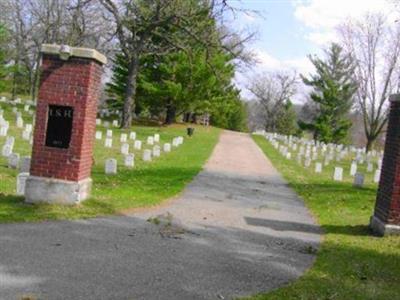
358 180
377 175
147 155
98 121
156 138
111 166
109 133
370 167
379 162
21 181
318 167
3 131
138 145
20 122
156 151
115 123
307 162
123 138
175 142
150 140
353 168
338 174
6 150
130 160
99 135
167 147
28 127
132 135
26 135
125 149
108 142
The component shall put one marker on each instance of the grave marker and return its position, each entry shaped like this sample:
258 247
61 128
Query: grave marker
108 143
123 138
125 149
338 174
147 155
99 135
111 166
21 183
167 147
132 135
353 168
130 160
358 180
138 145
318 167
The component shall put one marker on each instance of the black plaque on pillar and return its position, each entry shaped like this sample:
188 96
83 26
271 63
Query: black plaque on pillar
59 126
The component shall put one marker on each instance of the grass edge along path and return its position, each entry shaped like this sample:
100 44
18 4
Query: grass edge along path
146 185
351 263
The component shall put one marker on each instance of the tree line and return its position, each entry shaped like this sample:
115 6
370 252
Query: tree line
170 58
355 76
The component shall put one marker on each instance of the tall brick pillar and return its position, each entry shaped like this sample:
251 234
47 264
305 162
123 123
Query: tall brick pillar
65 125
386 218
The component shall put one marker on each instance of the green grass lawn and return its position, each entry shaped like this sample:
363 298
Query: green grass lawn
351 263
149 183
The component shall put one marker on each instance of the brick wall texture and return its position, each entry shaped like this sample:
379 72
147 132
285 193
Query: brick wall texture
387 207
76 83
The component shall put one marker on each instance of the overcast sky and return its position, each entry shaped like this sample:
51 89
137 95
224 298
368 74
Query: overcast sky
289 30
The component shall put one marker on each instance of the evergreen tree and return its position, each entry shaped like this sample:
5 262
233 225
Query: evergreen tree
333 90
3 57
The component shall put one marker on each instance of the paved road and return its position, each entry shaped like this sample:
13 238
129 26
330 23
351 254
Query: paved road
236 230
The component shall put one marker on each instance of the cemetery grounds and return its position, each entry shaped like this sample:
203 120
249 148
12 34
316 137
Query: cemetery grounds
351 262
147 184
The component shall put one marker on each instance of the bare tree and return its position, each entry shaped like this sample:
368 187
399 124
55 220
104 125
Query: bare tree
375 47
271 91
34 22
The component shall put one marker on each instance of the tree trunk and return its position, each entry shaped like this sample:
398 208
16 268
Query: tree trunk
14 84
370 143
36 78
186 117
130 92
194 118
171 114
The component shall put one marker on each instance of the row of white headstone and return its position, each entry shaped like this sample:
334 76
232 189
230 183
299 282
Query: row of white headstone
129 158
311 150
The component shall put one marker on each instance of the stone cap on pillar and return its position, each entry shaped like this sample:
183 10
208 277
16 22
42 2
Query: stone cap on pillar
394 98
65 51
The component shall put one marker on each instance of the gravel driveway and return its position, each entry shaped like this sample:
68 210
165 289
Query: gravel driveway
236 230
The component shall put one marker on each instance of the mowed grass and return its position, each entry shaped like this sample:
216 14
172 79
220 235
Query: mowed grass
147 184
351 263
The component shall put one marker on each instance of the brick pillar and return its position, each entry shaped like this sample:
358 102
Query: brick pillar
386 218
65 125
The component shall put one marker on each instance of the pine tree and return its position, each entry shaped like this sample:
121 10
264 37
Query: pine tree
333 90
3 57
